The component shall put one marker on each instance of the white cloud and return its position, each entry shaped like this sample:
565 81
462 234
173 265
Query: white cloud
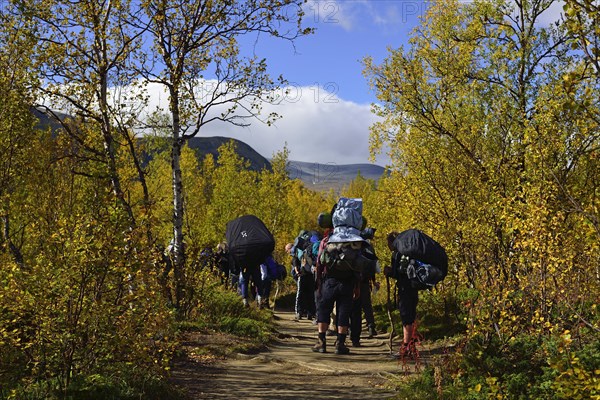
354 15
316 125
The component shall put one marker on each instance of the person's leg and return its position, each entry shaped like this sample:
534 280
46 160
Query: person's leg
367 307
309 290
344 291
266 292
356 322
408 300
325 302
243 286
305 295
256 277
298 304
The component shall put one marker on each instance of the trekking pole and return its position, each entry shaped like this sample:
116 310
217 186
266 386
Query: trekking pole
389 313
277 287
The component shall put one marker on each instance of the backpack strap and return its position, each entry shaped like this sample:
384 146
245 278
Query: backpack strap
320 268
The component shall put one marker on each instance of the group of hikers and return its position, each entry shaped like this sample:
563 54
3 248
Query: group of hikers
334 271
248 282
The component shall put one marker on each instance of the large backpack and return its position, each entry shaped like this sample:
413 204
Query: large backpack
348 257
420 258
249 241
345 251
306 247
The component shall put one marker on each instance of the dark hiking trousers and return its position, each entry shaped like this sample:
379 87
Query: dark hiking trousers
305 295
338 292
363 303
408 297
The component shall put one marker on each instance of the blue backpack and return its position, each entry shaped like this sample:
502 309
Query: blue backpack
275 271
306 248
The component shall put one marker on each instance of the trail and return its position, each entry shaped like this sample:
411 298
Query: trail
288 369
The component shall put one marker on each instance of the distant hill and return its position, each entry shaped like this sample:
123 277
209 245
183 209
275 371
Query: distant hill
209 145
323 177
202 145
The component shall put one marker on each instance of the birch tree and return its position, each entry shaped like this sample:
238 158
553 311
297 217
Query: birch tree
17 77
85 49
489 155
198 58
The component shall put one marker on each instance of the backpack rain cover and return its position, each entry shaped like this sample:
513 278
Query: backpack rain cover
249 241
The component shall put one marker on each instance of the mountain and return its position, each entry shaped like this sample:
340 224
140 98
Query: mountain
205 145
323 177
202 145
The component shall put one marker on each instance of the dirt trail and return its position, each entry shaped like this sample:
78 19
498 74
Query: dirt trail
288 369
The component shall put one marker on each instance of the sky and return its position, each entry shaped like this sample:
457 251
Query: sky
327 113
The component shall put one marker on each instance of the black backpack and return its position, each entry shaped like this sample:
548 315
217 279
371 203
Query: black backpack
249 241
419 258
348 259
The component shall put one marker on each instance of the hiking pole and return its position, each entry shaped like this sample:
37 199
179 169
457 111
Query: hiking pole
277 287
389 313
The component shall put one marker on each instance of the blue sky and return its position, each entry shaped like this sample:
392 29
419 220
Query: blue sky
346 32
328 116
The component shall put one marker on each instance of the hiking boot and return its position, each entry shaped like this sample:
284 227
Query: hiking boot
356 343
320 347
341 348
372 331
298 317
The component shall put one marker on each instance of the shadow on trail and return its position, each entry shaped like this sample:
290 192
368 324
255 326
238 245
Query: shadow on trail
288 369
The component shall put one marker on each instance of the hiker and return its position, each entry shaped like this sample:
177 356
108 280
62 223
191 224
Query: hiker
295 268
363 304
340 261
222 261
249 282
303 254
418 263
408 298
249 242
270 271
